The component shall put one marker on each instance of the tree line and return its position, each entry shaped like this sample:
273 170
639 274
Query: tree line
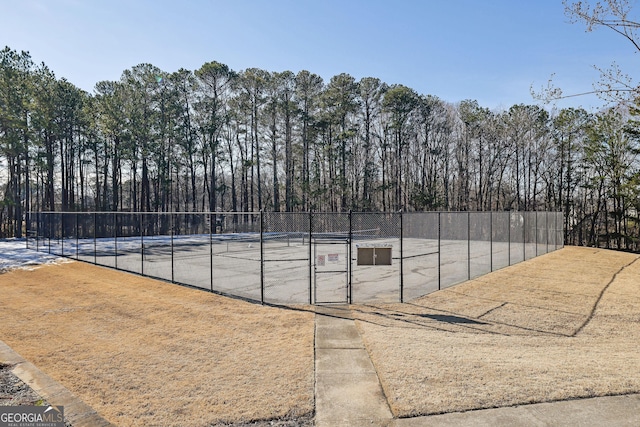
215 139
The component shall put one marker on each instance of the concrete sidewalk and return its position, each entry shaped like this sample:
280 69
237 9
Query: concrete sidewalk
595 412
347 388
348 391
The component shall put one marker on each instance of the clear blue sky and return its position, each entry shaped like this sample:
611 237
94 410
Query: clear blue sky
490 51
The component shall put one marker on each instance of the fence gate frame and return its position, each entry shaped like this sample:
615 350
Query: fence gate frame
346 242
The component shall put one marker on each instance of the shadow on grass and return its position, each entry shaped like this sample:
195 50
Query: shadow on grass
451 319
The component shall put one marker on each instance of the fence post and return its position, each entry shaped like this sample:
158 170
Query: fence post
95 236
559 231
509 237
491 240
468 245
536 233
37 231
27 226
439 250
77 232
172 231
555 231
555 215
33 226
261 256
211 225
524 235
401 258
49 233
38 224
115 239
62 233
555 228
310 257
562 230
349 266
141 224
546 226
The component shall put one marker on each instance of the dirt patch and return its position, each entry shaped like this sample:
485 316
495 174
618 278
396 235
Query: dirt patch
144 352
565 325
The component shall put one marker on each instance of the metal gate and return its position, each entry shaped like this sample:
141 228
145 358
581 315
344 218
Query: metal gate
331 284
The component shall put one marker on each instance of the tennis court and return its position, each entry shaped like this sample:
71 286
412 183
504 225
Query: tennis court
289 258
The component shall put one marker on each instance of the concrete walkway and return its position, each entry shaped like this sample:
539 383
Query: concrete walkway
347 388
348 391
78 413
613 411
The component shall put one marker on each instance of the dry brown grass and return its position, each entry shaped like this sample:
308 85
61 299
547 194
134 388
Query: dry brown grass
537 331
143 352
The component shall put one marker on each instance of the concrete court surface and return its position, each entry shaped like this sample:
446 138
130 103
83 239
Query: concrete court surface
233 267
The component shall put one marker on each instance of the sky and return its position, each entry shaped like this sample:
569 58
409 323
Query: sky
489 51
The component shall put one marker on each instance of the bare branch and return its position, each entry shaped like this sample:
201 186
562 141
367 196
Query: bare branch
613 15
614 86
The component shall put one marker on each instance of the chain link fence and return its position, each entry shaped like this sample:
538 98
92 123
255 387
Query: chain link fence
420 253
377 247
302 258
286 257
